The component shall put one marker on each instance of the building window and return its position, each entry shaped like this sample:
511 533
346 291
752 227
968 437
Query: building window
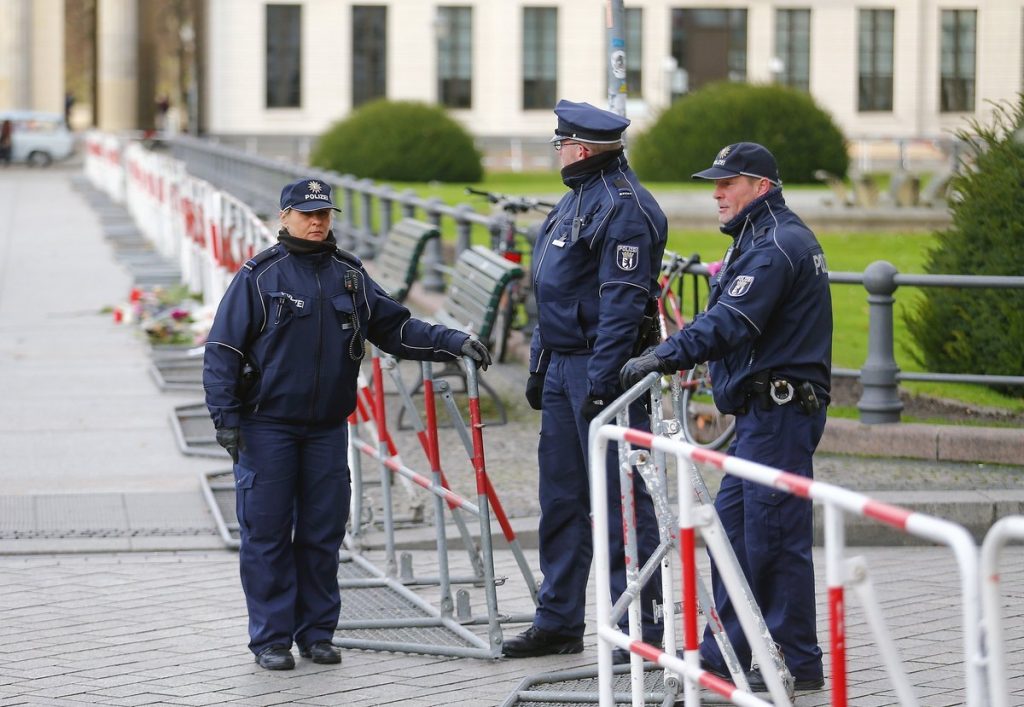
875 60
634 35
369 53
455 56
793 48
540 57
284 56
708 45
956 86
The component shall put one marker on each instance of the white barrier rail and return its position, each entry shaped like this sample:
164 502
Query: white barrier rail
207 231
1004 530
839 572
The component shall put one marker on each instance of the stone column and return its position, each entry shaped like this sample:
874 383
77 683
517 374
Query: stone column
47 60
15 56
117 64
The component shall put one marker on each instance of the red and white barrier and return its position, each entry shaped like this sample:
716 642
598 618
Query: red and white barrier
1004 530
839 572
208 232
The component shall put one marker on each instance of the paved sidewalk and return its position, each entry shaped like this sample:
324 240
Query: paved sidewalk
90 469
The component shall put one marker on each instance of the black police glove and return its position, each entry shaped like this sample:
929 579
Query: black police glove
535 390
593 406
229 437
478 352
636 368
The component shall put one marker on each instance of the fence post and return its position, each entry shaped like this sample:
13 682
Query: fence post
463 228
880 399
366 242
387 213
432 257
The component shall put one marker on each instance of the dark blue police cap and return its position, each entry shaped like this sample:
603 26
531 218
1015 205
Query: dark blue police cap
307 195
746 158
587 123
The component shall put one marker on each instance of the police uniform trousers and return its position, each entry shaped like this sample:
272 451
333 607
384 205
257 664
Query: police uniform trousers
292 492
771 532
566 532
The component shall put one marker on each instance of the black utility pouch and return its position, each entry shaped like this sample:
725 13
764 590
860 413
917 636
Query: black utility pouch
808 399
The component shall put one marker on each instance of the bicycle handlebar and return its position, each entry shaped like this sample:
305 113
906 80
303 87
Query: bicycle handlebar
512 204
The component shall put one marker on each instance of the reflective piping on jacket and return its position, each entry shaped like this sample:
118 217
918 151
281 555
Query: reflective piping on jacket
259 292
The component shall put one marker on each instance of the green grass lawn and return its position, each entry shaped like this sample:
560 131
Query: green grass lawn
845 251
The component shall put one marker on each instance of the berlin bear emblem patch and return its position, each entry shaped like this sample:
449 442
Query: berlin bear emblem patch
741 285
627 256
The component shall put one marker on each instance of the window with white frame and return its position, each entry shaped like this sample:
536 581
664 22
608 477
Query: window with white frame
455 57
875 33
956 62
369 53
283 56
793 48
540 57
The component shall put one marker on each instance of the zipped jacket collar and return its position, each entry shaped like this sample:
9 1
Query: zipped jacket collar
752 212
580 172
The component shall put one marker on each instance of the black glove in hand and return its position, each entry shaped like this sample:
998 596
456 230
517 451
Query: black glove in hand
229 437
535 390
478 352
593 406
636 368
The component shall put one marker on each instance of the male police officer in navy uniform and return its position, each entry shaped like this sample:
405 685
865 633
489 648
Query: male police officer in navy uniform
280 374
596 265
767 331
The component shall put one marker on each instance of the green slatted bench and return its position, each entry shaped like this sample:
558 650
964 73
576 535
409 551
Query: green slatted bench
396 265
475 286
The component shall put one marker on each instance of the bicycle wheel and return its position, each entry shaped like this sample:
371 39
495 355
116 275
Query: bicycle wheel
503 324
703 425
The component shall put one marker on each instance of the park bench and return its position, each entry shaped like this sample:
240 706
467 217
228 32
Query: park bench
475 286
396 264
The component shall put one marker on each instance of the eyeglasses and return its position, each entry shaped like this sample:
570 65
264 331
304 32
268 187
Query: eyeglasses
558 144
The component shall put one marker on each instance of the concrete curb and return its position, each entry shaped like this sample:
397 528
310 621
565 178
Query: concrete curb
988 445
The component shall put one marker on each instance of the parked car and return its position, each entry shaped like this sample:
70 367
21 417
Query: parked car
38 138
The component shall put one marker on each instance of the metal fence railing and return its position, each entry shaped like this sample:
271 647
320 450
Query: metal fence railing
368 211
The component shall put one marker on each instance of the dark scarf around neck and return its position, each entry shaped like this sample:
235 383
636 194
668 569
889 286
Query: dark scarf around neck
591 165
300 246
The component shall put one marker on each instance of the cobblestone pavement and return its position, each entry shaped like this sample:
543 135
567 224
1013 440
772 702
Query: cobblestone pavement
169 629
89 464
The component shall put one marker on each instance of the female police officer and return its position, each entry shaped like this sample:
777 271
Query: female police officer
280 374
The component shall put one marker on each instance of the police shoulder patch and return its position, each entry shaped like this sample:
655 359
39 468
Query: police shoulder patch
627 256
624 187
261 257
740 285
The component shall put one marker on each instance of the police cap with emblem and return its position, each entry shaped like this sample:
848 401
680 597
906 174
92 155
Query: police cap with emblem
307 195
746 158
586 123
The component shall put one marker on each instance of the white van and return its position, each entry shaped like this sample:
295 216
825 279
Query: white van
38 138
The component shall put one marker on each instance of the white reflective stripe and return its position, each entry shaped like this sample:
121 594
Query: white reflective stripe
227 346
621 282
260 292
775 238
740 312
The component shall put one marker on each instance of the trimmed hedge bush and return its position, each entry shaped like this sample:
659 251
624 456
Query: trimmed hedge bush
402 141
980 331
688 135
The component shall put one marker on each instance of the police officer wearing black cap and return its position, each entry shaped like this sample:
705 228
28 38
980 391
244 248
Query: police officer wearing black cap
767 331
280 374
595 269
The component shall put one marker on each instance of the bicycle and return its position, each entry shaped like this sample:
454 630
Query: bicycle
517 308
694 406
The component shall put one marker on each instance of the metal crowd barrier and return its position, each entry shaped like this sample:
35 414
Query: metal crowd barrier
983 678
440 630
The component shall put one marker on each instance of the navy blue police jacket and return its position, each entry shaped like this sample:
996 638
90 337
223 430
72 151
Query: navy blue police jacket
293 319
595 265
769 308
